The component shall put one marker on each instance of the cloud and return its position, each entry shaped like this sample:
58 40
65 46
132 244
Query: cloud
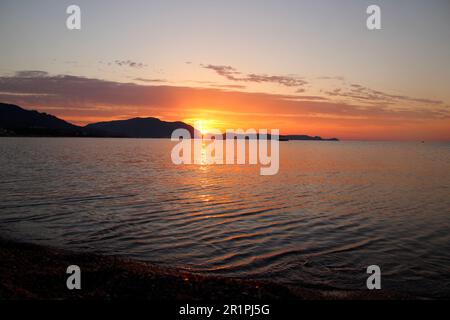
354 93
128 63
31 74
340 78
84 100
149 80
232 74
306 98
228 86
360 92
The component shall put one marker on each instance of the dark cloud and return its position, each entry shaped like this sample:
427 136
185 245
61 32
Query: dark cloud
128 63
73 94
362 93
308 98
66 90
355 92
149 80
232 74
331 78
228 86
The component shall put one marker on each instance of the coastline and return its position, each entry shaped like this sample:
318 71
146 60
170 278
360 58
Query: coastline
34 272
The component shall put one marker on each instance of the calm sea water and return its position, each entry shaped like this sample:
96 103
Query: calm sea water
332 210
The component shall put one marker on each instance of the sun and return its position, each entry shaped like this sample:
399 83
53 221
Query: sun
202 125
203 130
205 125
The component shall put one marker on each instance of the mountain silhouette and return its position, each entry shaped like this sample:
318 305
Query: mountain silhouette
16 121
139 128
305 137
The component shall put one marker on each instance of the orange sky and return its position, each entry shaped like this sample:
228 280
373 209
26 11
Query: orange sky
81 100
303 67
356 114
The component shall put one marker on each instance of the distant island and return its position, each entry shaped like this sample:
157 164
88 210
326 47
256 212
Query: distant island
18 122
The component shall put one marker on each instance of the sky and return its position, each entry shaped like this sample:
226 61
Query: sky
304 67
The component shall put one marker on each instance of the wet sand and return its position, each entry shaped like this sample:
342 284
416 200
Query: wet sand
32 272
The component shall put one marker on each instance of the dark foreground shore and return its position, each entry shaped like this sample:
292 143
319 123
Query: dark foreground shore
33 272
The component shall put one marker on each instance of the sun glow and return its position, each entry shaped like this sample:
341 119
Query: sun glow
202 125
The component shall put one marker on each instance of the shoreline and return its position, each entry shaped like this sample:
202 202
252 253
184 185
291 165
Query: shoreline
35 272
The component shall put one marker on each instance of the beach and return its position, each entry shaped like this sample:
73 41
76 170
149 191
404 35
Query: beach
33 272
